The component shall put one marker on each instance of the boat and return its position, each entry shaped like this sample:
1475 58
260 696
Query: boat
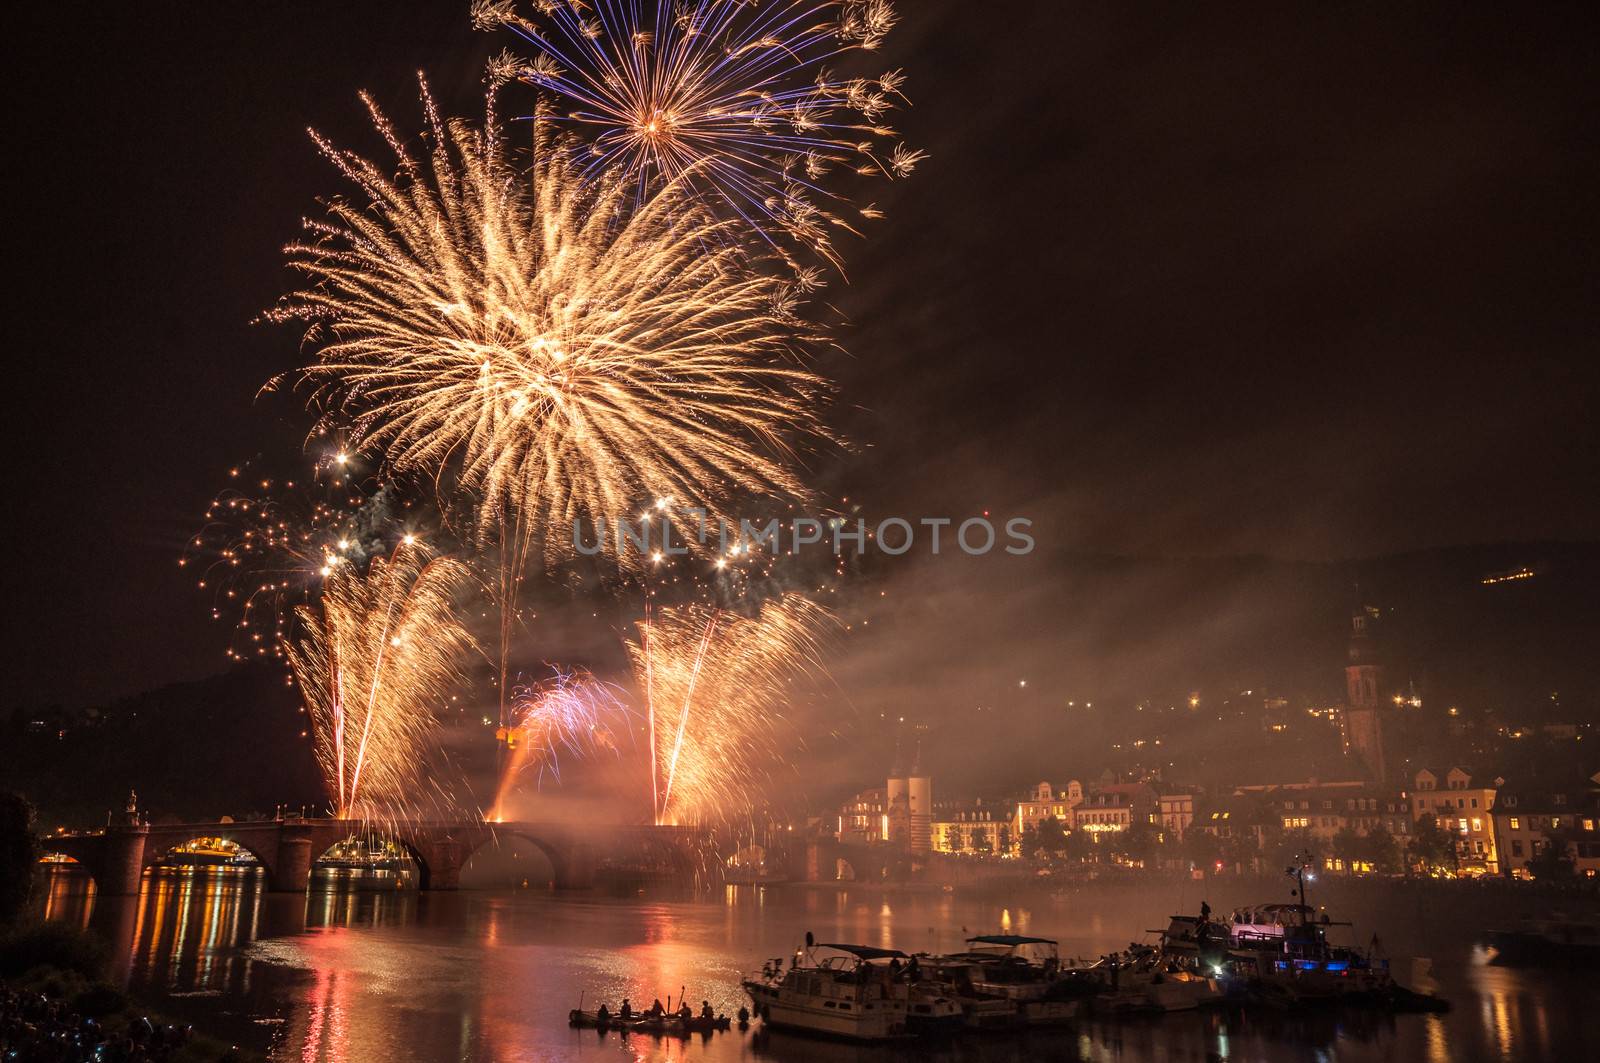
1144 978
930 1009
990 1013
855 992
1158 992
1008 965
1050 1012
1007 982
590 1020
1555 941
669 1025
1013 966
1283 951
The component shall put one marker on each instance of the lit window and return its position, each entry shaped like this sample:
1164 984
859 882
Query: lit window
1516 824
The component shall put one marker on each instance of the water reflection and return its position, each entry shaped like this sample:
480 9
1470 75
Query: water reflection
352 972
68 895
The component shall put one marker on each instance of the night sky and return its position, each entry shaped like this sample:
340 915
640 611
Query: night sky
1305 281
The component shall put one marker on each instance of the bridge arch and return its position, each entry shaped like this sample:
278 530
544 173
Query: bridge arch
57 858
82 854
158 850
552 851
364 849
749 857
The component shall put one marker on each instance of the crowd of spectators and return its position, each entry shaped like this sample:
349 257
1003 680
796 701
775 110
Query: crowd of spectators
36 1029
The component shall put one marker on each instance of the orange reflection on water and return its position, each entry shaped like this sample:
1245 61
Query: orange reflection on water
188 921
69 896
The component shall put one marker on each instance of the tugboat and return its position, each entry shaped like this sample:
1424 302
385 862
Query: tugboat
1286 948
846 991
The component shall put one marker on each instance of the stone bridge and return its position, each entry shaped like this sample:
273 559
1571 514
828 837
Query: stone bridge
286 848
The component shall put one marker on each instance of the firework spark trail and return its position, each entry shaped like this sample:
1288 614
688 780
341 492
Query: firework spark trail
734 95
267 542
572 710
688 701
373 660
538 345
727 678
650 707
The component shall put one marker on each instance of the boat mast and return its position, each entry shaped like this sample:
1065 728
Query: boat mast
1298 871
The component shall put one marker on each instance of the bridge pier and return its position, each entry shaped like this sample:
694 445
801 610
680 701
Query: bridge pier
576 869
440 865
122 860
292 873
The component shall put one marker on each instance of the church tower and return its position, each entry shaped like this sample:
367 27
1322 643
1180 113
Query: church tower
1363 710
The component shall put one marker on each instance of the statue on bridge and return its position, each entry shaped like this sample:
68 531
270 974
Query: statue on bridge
131 813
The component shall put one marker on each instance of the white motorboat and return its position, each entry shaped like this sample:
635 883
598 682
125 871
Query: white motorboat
847 991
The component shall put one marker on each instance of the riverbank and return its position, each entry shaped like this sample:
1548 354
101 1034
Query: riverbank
56 1003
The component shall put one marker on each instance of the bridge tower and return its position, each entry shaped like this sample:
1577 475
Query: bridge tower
122 854
897 799
919 803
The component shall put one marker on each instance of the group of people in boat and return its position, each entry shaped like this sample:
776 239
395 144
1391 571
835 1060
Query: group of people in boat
684 1014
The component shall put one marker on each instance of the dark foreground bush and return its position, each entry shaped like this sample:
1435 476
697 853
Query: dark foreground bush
56 945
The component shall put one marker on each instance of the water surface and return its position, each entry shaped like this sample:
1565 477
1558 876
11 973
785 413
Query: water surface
389 975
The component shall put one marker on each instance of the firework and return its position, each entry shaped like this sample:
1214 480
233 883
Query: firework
716 685
732 96
268 542
570 712
534 341
374 659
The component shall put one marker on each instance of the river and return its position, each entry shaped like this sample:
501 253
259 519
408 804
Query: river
388 975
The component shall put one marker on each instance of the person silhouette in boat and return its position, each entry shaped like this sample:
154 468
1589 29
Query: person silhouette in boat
1202 933
706 1012
602 1018
685 1012
656 1010
625 1013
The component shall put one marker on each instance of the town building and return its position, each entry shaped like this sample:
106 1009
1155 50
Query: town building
1528 820
864 818
1045 801
1110 807
977 828
1239 823
1464 810
1175 811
